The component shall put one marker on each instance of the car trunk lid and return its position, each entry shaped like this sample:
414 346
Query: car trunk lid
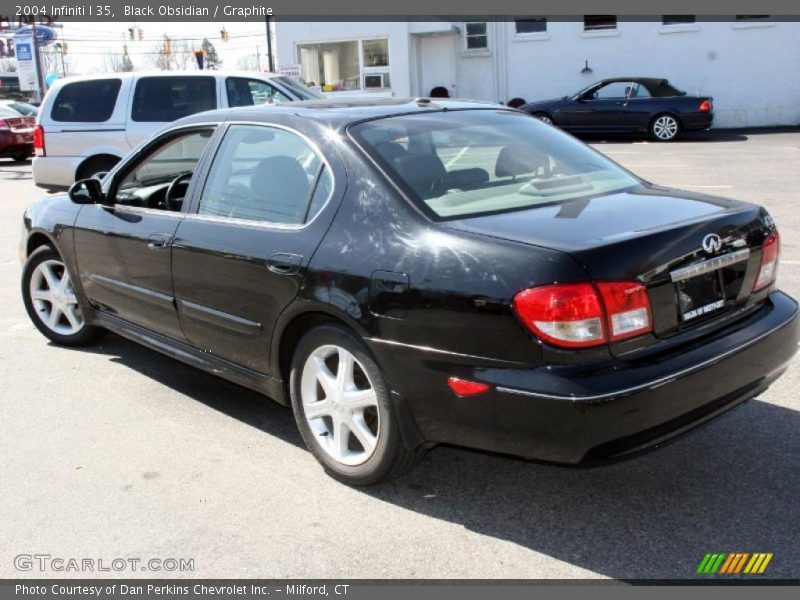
655 236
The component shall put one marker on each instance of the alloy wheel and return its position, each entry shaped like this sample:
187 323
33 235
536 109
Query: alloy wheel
53 298
665 127
340 405
545 119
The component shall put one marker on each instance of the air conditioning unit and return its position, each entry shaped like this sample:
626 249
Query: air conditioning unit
376 81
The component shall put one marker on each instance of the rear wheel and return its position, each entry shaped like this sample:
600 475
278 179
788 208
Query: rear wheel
21 156
664 128
544 117
344 410
51 301
96 167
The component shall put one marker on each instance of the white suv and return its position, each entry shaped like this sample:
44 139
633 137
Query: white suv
87 124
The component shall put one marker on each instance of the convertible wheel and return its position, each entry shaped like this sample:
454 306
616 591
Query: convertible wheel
344 411
544 117
664 128
51 301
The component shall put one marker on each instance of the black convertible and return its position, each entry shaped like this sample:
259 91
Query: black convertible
412 272
627 104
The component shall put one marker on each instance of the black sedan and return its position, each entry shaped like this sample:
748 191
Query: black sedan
404 273
628 104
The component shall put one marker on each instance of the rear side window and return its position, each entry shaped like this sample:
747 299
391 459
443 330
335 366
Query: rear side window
266 174
86 101
164 99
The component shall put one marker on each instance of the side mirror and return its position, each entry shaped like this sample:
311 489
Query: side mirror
87 191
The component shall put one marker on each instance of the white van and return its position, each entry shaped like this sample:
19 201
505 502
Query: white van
87 124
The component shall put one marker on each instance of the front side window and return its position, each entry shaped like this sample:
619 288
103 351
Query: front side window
266 174
146 183
243 91
614 90
86 101
477 36
463 163
165 99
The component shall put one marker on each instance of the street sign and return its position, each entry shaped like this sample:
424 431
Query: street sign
44 34
290 70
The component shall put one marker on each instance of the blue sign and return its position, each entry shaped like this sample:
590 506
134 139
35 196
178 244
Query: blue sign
44 35
24 52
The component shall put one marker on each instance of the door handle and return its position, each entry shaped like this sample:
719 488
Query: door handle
159 241
284 263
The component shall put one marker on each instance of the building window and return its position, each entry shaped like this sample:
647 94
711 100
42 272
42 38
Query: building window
753 17
346 66
599 22
523 26
376 53
677 19
477 36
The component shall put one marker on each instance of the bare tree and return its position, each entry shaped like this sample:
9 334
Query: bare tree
8 65
249 62
171 56
117 63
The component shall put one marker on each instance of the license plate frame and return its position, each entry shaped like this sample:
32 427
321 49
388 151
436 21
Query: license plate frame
700 296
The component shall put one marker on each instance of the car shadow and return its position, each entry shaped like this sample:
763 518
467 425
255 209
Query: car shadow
730 486
240 403
709 135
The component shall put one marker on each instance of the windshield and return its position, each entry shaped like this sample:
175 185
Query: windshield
465 163
301 91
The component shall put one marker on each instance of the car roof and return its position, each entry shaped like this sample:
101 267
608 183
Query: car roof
647 81
138 74
341 112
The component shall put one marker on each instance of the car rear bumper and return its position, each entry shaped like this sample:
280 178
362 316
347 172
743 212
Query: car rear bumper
697 121
55 172
568 415
15 143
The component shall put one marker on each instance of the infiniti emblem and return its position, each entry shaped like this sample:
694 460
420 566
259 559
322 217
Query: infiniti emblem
712 243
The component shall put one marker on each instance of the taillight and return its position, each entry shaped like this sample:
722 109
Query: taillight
38 140
705 106
581 315
768 270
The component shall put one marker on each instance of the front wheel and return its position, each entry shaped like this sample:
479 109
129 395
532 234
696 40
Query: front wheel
51 301
664 128
344 410
544 117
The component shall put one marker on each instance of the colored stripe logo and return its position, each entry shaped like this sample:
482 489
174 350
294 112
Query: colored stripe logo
736 562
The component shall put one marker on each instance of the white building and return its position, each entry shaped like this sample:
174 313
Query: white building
751 65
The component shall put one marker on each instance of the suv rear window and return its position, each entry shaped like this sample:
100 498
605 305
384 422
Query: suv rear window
164 99
86 101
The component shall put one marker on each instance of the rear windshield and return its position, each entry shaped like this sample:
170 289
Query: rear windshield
86 101
464 163
164 99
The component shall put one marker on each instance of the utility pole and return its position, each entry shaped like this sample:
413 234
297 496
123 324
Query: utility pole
269 47
37 58
258 58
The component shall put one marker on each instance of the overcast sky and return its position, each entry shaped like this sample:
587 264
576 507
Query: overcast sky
89 44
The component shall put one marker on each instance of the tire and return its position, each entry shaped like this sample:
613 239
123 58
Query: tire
544 117
60 318
21 157
664 128
95 166
366 407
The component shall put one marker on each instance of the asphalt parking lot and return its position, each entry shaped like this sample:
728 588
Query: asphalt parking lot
116 451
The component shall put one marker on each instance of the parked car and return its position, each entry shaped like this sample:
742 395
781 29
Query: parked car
628 104
405 273
86 124
23 108
16 134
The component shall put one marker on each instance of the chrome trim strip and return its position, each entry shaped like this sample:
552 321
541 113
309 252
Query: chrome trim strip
712 264
447 352
656 382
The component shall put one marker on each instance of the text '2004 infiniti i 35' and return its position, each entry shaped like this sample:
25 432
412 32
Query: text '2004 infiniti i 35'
410 272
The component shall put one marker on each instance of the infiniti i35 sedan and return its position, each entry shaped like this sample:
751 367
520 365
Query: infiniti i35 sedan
403 273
